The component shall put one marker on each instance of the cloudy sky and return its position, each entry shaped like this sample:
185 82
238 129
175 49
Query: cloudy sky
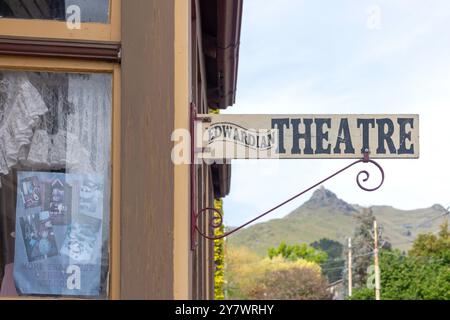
345 56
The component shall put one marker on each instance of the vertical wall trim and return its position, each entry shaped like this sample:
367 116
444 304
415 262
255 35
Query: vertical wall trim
181 253
116 184
147 174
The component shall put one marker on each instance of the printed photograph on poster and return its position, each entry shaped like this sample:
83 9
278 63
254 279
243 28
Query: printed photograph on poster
58 200
38 236
91 194
31 192
81 238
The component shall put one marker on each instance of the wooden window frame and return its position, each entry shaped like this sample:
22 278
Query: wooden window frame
36 28
84 66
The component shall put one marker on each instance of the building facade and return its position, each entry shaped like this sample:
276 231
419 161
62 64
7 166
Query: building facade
91 203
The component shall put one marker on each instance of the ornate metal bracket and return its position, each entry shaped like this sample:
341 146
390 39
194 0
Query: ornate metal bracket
216 221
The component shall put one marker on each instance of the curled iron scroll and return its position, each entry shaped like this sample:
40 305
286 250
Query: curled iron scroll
367 177
216 220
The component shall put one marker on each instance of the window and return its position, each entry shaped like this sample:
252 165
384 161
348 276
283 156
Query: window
100 19
56 182
90 10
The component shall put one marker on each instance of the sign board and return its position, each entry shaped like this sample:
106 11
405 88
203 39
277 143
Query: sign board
307 136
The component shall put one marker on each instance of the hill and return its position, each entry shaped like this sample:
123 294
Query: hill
324 215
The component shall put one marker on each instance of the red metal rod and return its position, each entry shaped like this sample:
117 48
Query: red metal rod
193 116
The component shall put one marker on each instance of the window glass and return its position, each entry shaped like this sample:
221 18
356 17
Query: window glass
89 10
55 144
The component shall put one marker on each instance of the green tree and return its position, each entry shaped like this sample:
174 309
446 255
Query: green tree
298 251
333 248
432 246
333 266
423 274
362 247
247 275
291 284
241 272
362 244
409 278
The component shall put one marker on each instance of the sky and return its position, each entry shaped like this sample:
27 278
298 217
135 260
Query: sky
345 57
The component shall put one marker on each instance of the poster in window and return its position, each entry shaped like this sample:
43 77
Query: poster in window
58 246
30 192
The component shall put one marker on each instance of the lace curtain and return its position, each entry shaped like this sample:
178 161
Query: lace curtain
55 121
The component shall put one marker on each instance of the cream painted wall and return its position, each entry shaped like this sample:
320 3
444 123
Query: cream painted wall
182 254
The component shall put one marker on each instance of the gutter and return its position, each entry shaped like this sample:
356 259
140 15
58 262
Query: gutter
221 24
228 45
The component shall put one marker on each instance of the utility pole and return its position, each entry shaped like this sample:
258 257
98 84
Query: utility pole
350 284
377 264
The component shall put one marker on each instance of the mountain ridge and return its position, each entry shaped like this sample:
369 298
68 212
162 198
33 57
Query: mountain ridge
325 215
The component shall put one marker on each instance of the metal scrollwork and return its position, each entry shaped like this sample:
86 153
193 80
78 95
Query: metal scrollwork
216 220
367 177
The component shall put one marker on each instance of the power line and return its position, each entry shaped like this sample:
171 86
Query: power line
412 241
434 218
329 262
417 225
344 259
430 259
427 259
337 268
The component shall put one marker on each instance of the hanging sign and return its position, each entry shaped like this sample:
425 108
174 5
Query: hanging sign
307 136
